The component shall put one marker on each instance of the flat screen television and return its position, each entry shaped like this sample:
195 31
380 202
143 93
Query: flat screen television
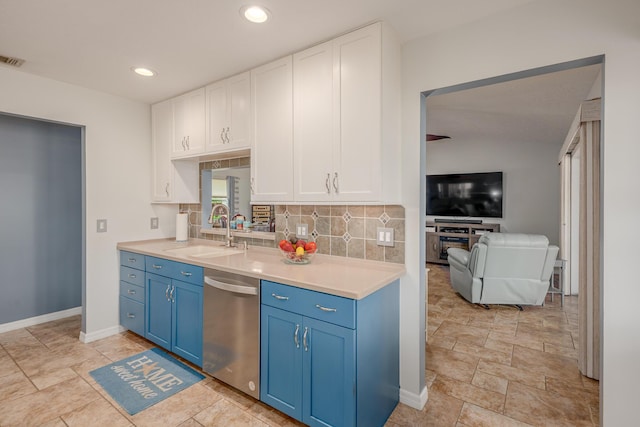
465 195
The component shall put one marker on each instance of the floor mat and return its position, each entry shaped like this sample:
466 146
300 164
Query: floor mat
145 379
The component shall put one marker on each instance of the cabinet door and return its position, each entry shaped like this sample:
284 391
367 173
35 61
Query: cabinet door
189 124
239 111
433 247
329 374
158 306
229 114
161 146
313 123
272 132
357 123
186 333
281 360
216 116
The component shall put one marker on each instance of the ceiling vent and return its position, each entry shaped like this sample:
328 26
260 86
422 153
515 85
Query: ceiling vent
14 62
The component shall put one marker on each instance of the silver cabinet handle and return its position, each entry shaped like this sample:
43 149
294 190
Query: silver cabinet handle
171 294
333 310
131 276
295 336
156 266
186 273
304 339
280 297
131 316
166 292
131 292
222 135
326 183
238 289
252 186
132 260
166 189
226 136
188 145
182 142
335 182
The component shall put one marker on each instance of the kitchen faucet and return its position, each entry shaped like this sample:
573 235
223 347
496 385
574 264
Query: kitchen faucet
229 241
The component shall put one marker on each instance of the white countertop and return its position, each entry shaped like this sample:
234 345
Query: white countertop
346 277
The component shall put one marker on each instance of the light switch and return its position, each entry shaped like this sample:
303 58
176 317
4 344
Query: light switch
385 236
101 226
154 223
302 231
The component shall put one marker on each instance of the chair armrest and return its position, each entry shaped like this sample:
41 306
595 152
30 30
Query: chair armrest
460 255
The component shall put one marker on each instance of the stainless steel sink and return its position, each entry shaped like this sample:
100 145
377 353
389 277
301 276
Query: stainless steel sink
203 251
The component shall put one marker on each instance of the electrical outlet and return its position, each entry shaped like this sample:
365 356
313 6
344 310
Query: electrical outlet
302 231
154 223
385 237
101 226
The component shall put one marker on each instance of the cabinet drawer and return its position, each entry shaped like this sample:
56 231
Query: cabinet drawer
329 308
132 315
188 273
132 260
131 275
163 267
132 291
175 270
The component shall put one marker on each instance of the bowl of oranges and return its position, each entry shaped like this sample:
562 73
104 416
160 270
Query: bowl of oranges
297 251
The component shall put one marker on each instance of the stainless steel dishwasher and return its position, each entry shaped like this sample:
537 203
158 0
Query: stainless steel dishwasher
231 331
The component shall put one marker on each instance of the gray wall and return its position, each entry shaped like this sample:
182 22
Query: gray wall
40 218
531 179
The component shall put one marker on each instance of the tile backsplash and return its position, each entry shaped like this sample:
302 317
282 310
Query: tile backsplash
346 230
340 230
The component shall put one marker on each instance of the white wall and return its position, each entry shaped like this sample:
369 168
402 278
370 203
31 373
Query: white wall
117 177
531 179
542 33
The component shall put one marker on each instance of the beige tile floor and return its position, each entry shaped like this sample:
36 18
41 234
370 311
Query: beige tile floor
501 367
484 368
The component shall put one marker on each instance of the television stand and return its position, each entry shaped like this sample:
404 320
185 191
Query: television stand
441 236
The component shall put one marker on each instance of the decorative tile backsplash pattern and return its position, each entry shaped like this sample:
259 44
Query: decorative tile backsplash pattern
340 230
346 230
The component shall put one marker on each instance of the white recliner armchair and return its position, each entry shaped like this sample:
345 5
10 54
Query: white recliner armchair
503 268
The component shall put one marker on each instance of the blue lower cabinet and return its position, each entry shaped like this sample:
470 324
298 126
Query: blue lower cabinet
281 360
330 362
132 299
159 309
328 374
174 316
308 368
186 331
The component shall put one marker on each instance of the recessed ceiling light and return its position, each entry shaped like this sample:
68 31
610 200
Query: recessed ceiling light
256 14
145 72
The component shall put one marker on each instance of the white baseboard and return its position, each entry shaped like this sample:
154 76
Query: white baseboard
416 401
103 333
25 323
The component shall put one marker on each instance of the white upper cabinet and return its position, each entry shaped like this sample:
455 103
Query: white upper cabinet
272 132
188 124
313 123
228 114
172 181
345 123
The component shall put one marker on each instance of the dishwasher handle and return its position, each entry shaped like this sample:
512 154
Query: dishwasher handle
247 290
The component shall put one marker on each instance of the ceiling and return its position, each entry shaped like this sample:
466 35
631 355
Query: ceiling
537 109
190 43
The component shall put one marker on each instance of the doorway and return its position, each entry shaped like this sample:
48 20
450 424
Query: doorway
454 158
41 223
